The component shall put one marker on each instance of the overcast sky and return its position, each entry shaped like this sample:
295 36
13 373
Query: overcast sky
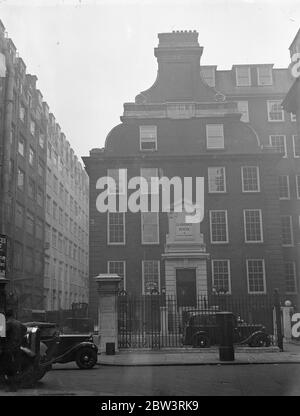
92 56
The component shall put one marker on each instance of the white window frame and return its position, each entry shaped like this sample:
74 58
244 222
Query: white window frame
293 117
298 186
143 274
269 104
210 226
291 231
295 277
260 225
243 107
209 171
258 75
124 269
284 142
148 139
229 273
215 137
142 229
294 146
288 188
238 84
258 179
264 277
121 243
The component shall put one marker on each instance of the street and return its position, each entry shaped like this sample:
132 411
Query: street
203 380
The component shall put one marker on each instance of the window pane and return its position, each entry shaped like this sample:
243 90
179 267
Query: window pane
275 111
151 276
253 229
250 179
216 180
296 145
255 270
286 230
218 226
290 277
284 191
215 136
278 143
243 76
264 75
116 228
243 108
221 275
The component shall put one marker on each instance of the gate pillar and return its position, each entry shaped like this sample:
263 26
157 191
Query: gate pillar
107 288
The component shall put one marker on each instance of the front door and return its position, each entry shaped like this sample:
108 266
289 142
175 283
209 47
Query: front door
186 287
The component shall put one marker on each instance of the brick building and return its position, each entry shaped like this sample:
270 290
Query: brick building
27 166
227 127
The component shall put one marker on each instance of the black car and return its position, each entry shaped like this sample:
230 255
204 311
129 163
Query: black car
65 348
201 330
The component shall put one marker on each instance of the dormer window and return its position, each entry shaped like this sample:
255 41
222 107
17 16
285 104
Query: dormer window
214 136
243 77
208 74
264 75
148 138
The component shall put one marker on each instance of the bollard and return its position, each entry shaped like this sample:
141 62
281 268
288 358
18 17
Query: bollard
225 322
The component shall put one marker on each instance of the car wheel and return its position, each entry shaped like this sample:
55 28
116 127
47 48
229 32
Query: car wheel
200 341
260 341
86 358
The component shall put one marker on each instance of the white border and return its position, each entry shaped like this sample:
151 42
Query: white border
124 230
229 273
143 278
210 226
268 111
264 276
258 179
208 181
260 223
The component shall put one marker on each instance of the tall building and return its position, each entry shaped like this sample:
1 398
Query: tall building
227 127
66 260
42 274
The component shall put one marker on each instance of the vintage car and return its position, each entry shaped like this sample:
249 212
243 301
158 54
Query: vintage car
201 330
65 348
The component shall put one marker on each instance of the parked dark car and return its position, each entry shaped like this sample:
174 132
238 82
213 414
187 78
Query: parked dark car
201 330
65 348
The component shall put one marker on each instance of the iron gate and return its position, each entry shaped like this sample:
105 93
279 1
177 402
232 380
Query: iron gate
157 321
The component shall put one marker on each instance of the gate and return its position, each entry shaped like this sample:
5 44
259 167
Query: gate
157 321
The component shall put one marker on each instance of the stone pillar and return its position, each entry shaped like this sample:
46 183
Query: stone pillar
287 312
107 287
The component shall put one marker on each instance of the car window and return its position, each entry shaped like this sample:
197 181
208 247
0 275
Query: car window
205 319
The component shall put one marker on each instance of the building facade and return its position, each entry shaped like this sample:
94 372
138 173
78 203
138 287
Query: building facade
26 172
66 254
228 128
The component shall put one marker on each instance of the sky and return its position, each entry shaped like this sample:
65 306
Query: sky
91 56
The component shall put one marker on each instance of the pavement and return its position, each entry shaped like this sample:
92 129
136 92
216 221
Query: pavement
201 356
